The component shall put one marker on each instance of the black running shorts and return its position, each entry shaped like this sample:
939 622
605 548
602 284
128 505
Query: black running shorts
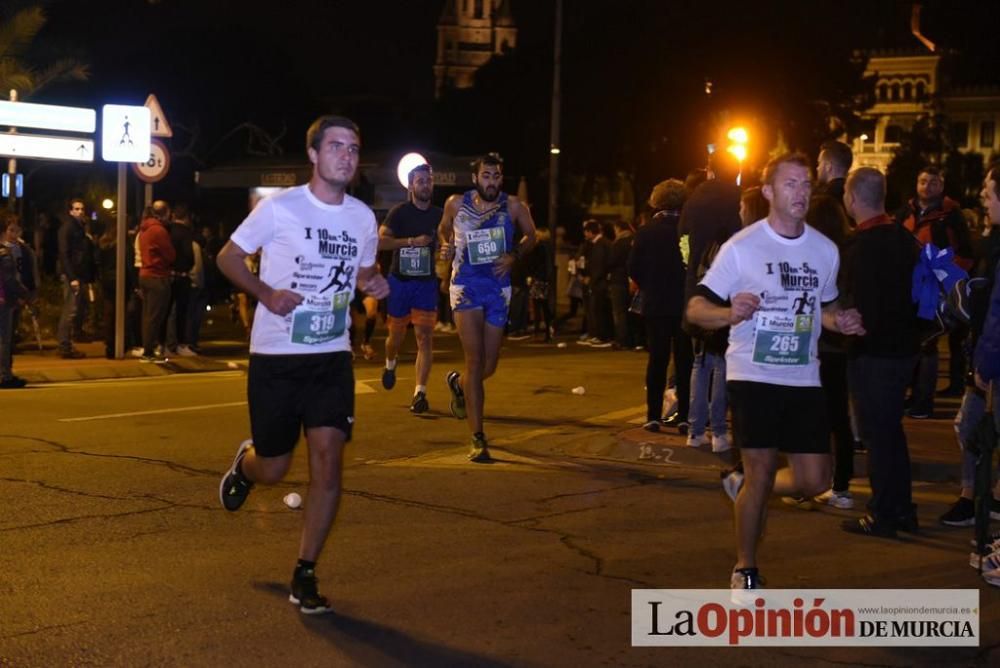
287 393
790 419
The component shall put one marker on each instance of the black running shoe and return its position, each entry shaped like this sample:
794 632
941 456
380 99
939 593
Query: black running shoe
457 396
305 593
961 514
419 404
234 488
480 451
388 378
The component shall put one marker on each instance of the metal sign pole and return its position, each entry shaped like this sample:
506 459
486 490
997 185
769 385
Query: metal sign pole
120 268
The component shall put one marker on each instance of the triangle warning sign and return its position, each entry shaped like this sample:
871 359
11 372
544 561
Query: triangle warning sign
158 125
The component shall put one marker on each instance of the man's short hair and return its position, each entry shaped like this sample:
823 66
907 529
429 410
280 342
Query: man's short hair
314 135
622 224
412 174
492 159
694 179
182 212
74 201
839 154
667 195
7 218
867 185
160 209
724 165
593 226
771 168
933 170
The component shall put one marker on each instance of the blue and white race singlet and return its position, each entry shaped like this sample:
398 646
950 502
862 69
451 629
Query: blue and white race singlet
481 238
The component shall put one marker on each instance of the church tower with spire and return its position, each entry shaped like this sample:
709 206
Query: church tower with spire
470 33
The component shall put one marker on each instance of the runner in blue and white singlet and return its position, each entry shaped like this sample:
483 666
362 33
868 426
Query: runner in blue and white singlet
482 238
477 234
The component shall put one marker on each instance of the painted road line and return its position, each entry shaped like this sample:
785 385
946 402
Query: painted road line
161 411
359 388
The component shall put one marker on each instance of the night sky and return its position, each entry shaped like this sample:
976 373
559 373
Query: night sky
633 73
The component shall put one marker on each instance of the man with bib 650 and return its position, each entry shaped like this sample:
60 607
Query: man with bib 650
774 284
478 230
317 242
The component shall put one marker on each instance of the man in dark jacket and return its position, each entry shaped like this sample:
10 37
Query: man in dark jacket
877 282
12 295
154 277
598 305
712 213
181 238
74 264
618 284
934 218
655 264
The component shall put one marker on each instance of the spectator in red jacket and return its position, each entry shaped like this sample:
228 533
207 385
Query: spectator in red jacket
154 276
934 218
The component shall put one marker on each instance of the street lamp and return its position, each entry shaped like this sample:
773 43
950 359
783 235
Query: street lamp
738 138
406 165
107 204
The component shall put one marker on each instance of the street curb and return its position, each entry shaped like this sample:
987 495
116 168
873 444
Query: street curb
669 449
125 369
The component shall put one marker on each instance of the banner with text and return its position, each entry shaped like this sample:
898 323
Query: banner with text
816 617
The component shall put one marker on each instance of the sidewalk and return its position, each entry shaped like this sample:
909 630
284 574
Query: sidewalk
934 452
46 366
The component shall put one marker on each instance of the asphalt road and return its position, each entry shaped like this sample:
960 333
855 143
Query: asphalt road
114 550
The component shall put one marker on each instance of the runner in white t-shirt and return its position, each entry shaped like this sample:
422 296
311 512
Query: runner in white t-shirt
317 243
774 285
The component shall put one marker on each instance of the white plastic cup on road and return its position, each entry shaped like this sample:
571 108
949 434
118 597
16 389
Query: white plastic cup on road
579 390
292 500
561 344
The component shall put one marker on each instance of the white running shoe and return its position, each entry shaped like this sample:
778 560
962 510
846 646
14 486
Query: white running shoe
991 562
721 443
670 401
842 500
732 484
184 350
697 441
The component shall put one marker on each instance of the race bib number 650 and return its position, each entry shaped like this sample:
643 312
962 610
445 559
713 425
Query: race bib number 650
486 246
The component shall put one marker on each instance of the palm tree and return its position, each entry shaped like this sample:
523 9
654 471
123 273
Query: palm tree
19 25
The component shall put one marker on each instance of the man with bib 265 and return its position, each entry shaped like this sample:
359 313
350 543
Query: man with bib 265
317 242
478 230
774 284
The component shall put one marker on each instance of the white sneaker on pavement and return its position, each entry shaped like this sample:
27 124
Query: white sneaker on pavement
184 350
697 441
721 443
842 500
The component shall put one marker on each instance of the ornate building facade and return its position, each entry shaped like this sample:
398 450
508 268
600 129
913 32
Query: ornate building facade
470 33
909 86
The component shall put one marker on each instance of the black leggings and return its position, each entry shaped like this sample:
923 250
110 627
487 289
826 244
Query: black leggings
664 333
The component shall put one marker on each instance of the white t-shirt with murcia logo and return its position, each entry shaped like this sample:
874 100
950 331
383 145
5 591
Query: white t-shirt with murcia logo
316 250
794 278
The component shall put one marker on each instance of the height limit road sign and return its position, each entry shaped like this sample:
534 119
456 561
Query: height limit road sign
157 166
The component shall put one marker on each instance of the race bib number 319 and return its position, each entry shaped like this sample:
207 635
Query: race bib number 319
486 246
316 327
782 340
